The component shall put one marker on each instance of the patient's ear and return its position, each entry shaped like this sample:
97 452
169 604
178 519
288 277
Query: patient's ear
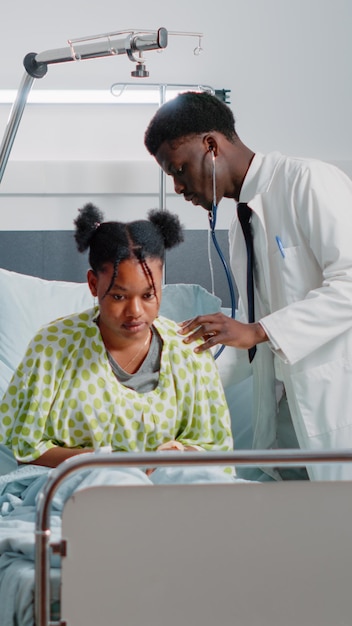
92 282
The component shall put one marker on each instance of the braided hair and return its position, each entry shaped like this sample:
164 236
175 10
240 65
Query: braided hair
114 242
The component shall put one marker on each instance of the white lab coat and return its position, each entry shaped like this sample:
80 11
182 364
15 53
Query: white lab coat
305 300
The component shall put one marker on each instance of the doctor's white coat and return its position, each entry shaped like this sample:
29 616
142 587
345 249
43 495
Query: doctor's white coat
304 300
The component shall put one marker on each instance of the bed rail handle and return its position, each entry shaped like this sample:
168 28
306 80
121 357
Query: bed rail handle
60 547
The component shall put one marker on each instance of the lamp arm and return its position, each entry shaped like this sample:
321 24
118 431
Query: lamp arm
36 66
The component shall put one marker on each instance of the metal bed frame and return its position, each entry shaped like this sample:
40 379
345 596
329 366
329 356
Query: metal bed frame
244 458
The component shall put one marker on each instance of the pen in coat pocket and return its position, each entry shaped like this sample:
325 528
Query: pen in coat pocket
280 246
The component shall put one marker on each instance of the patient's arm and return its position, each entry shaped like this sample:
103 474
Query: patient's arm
58 454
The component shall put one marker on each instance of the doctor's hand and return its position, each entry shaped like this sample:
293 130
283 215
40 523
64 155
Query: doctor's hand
218 328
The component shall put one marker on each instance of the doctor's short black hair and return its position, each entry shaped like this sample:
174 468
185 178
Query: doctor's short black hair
190 113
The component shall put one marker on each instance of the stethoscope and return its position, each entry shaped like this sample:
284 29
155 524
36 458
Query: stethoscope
212 223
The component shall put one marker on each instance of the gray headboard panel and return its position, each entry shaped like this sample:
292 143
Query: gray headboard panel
53 255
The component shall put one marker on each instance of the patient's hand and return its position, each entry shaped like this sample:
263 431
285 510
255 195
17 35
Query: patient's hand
172 445
168 445
176 445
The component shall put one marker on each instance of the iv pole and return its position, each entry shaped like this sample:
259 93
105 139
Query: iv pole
36 66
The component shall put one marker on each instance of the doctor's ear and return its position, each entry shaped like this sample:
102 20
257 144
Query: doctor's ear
211 145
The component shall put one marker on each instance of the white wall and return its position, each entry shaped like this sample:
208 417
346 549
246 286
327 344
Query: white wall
287 64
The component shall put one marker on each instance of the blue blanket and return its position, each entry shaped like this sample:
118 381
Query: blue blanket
18 490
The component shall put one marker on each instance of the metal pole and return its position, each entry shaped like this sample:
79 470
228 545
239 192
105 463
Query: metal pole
162 188
133 42
36 67
14 121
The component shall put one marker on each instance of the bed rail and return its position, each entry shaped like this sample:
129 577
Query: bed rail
287 458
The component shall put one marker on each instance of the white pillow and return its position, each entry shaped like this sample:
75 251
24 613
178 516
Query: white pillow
27 303
182 301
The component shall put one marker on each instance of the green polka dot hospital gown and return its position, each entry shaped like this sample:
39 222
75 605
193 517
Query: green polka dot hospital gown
65 393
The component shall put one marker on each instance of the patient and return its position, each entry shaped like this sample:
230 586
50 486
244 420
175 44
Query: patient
116 376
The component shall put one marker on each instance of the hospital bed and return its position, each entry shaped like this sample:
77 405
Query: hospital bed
247 553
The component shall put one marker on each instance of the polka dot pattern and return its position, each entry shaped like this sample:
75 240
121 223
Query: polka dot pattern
64 392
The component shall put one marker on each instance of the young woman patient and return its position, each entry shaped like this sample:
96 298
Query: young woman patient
117 375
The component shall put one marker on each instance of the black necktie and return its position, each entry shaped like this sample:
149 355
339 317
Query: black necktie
244 214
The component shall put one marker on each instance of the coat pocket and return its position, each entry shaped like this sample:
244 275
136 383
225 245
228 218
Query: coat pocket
293 275
324 397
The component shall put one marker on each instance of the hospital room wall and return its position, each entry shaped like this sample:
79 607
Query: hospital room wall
286 63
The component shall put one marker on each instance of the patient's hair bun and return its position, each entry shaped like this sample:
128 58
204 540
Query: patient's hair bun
87 222
168 225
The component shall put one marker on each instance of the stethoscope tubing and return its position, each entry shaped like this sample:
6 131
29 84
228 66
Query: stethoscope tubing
212 224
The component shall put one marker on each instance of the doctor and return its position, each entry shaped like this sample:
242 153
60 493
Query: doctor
301 223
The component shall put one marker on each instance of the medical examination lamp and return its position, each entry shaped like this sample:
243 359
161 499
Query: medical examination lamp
131 42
